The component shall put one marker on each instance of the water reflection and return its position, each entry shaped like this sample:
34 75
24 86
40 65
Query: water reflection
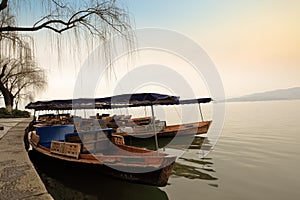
189 166
74 183
192 170
182 142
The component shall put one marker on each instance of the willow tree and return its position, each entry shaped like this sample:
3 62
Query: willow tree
98 19
83 22
20 78
86 22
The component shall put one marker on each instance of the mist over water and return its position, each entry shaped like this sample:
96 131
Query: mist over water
256 157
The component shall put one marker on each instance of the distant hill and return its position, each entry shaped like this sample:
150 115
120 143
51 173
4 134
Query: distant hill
282 94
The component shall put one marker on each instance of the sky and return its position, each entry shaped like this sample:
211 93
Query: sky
254 44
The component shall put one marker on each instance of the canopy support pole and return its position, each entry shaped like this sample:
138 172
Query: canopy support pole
200 111
58 117
34 115
154 128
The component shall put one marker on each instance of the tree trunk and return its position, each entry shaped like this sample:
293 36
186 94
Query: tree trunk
16 104
8 98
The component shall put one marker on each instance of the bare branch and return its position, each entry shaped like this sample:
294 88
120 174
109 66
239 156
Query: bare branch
59 4
93 18
3 5
3 71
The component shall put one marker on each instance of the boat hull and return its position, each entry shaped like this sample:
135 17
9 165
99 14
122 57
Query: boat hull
172 131
155 178
149 174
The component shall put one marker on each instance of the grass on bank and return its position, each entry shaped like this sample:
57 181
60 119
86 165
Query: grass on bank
14 114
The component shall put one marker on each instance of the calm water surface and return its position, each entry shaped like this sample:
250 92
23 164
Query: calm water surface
256 157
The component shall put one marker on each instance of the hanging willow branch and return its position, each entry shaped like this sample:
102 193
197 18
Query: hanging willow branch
96 18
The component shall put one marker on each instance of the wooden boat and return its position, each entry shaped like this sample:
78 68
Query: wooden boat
104 151
64 138
139 127
167 131
202 127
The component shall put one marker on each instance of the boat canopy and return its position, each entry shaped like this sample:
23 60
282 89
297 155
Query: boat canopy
118 101
193 101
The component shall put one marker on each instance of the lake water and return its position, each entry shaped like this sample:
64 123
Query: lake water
256 157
